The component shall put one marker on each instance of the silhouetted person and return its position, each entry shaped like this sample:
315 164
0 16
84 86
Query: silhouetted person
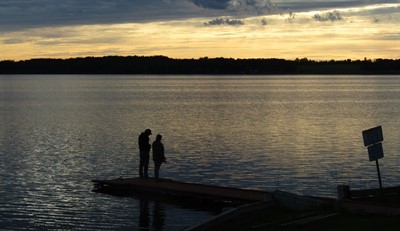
158 155
144 147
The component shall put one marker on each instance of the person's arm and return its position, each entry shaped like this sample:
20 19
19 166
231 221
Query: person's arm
163 154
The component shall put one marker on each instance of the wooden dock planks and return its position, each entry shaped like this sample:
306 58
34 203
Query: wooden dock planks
182 189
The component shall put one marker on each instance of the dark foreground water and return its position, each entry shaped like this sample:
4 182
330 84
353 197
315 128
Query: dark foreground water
300 134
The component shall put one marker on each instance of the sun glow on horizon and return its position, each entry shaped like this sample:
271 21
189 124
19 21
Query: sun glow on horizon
320 35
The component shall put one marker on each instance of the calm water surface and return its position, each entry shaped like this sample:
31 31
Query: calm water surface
300 134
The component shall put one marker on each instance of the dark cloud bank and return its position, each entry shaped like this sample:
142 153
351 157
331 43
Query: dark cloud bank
23 14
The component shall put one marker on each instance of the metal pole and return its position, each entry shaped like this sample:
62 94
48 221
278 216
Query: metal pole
379 176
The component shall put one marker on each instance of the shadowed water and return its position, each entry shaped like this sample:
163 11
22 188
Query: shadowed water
300 134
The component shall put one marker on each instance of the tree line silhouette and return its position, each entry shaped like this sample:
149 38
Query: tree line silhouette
205 65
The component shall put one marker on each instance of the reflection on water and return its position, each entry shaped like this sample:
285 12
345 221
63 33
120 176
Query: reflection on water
154 220
301 134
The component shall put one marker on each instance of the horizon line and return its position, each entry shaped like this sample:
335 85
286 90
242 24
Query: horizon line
200 58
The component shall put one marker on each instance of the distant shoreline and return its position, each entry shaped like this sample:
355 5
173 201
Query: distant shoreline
202 66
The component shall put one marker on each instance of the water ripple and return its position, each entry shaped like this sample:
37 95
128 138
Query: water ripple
299 134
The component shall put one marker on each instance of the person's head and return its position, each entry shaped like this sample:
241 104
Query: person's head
147 132
158 137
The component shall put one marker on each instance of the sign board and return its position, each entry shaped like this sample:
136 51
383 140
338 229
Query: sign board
372 136
375 151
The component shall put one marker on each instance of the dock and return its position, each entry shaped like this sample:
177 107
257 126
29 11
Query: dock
172 188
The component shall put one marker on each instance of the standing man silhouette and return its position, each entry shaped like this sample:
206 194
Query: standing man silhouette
144 148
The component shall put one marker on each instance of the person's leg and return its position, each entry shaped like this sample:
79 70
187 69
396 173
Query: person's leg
156 168
141 163
146 165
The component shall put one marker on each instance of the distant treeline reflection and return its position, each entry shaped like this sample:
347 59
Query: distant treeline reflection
166 65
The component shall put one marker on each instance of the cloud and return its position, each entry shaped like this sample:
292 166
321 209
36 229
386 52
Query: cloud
299 6
291 17
257 7
268 7
264 22
18 15
226 21
212 4
328 16
25 14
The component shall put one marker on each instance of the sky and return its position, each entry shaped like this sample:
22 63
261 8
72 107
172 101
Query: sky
288 29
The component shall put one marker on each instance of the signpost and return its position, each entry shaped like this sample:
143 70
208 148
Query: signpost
372 139
375 151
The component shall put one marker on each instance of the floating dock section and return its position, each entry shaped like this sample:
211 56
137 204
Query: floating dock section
168 187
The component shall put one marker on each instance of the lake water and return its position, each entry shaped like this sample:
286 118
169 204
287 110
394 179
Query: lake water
300 134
